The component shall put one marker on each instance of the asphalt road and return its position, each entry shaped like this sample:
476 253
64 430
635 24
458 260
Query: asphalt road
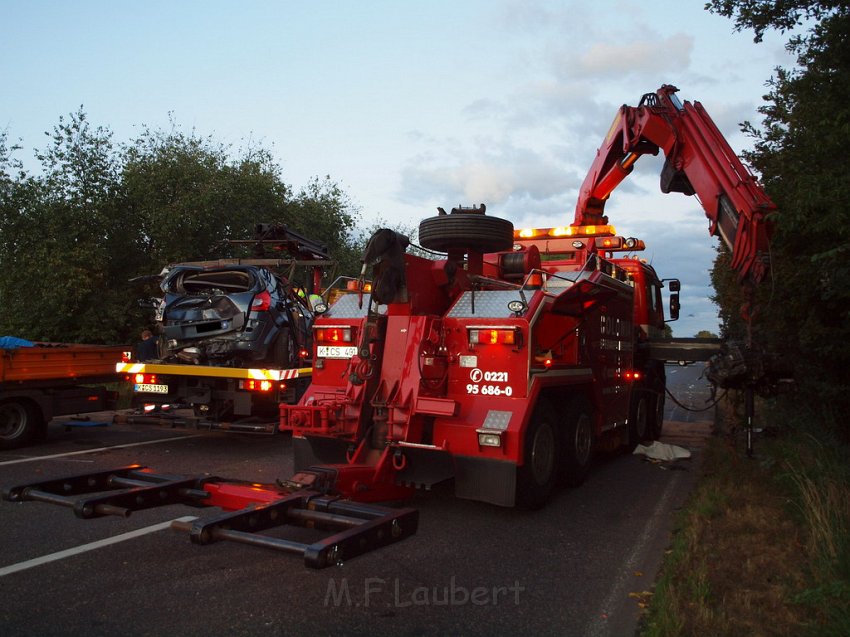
572 568
691 390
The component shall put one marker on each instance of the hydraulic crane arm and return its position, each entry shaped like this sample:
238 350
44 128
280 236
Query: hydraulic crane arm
699 161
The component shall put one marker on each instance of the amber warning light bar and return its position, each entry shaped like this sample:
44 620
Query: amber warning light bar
565 231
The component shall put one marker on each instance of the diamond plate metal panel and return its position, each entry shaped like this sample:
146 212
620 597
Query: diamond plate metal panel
488 303
347 307
497 420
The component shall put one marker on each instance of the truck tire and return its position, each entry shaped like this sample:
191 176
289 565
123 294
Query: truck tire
537 476
639 418
19 423
466 231
656 413
578 442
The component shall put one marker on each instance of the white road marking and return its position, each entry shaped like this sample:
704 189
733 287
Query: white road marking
84 548
77 453
599 626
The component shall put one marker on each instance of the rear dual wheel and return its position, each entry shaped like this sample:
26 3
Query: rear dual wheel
578 442
537 476
555 446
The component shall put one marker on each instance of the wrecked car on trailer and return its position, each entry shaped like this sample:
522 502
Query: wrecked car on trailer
231 315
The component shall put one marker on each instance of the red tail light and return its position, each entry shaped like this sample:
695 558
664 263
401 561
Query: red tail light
262 302
333 334
258 385
492 336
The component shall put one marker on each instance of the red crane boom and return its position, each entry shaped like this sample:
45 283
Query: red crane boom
699 162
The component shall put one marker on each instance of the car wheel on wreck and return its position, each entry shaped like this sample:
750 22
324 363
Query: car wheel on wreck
282 354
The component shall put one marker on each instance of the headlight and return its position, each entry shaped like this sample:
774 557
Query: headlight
489 437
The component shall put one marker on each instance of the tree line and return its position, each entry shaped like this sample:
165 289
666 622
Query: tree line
99 213
802 151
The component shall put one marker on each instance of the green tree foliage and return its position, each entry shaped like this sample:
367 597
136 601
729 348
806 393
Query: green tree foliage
802 149
705 334
98 215
323 210
188 197
58 237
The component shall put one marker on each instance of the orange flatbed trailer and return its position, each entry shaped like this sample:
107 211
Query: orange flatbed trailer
52 379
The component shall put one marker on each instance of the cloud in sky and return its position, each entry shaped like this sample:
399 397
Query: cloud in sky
603 61
490 172
550 118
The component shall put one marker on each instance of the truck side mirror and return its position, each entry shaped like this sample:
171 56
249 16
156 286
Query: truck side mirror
674 285
674 306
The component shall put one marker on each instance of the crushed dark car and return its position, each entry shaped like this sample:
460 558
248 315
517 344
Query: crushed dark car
235 315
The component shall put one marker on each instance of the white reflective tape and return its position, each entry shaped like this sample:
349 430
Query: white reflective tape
130 368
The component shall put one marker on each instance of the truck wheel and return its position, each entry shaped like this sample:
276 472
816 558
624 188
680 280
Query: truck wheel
466 231
656 414
18 424
578 442
537 475
639 429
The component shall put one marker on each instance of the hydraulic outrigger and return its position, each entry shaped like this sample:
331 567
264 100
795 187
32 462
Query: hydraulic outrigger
249 509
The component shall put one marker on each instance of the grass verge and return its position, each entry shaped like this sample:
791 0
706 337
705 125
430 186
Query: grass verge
763 547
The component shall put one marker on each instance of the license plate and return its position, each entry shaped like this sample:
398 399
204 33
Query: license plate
332 351
147 388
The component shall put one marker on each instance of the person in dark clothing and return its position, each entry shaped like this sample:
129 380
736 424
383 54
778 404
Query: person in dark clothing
146 349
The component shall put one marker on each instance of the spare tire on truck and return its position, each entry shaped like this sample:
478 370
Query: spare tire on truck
466 229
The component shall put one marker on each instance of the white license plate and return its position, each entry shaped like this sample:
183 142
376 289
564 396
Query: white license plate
332 351
147 388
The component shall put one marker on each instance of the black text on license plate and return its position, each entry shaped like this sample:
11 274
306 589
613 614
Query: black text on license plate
148 388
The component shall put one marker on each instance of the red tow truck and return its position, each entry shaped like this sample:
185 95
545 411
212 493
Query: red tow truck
502 366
